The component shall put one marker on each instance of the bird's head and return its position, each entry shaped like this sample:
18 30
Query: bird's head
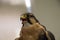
29 17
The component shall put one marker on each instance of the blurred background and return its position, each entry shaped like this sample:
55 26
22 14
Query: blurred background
46 11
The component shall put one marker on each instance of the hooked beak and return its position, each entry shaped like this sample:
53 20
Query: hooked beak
23 18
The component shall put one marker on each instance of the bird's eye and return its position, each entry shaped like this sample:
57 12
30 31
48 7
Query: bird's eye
31 16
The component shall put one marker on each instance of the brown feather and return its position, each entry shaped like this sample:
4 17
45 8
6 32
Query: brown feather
32 32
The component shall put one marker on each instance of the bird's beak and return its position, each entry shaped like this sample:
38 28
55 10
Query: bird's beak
22 17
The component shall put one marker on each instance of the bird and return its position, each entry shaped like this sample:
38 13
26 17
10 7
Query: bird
28 19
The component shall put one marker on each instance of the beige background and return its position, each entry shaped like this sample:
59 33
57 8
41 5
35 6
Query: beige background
46 11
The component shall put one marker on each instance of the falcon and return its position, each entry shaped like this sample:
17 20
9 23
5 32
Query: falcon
33 30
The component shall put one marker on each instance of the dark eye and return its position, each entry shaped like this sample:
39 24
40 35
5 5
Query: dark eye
31 16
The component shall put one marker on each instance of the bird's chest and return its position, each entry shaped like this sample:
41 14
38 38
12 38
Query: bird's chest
31 33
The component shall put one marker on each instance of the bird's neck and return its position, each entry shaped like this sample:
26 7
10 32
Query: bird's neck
26 24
